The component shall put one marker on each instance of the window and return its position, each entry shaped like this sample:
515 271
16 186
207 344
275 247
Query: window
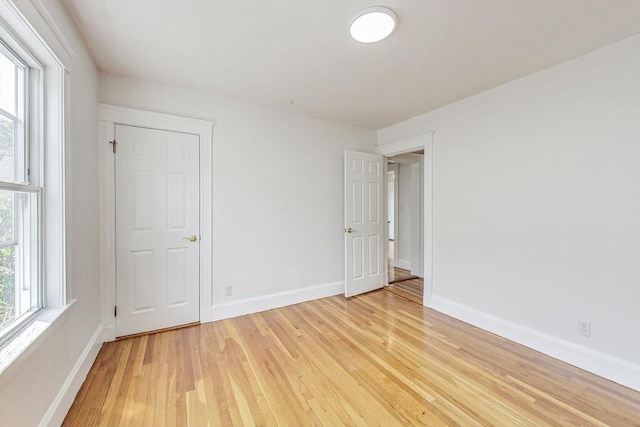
20 196
34 93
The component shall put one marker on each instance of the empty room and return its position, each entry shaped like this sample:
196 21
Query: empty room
319 212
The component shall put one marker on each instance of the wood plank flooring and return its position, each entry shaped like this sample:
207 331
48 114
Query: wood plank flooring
411 289
372 360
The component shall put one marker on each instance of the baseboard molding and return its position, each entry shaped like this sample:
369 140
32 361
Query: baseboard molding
63 401
108 333
401 263
614 369
268 302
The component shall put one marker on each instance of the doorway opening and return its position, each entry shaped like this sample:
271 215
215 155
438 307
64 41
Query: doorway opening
405 219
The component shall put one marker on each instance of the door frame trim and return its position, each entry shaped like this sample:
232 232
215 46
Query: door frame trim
396 209
423 141
108 117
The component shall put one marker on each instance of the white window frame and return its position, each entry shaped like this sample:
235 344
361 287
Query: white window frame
31 184
47 163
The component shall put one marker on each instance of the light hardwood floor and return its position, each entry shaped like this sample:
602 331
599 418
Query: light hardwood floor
411 289
373 360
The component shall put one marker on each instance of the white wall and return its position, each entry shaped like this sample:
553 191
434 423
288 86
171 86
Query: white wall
277 189
539 180
33 383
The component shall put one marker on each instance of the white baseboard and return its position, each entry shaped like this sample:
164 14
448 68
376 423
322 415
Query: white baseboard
63 401
267 302
404 264
609 367
108 333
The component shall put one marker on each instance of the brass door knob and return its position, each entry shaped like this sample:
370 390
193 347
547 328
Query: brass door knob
350 230
191 238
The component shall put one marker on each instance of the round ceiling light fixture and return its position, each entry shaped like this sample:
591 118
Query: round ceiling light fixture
372 24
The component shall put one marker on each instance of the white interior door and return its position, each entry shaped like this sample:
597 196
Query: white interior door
157 229
364 223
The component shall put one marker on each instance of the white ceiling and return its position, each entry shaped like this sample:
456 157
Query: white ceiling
297 55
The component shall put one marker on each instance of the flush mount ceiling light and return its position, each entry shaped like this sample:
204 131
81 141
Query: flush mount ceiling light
372 24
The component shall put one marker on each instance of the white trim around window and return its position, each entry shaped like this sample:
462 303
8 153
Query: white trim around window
46 131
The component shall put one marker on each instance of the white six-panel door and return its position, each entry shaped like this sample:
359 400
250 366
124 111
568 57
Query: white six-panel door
364 223
157 229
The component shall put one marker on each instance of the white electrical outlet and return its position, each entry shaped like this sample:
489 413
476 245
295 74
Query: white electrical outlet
228 291
584 328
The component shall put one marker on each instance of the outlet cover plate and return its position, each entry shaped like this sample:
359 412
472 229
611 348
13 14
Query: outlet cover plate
584 328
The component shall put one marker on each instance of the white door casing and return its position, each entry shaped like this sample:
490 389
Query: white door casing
110 116
157 229
364 223
417 218
396 213
422 142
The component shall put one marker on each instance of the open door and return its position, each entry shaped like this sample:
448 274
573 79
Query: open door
364 223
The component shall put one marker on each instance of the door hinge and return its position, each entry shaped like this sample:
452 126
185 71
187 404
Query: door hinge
113 143
115 311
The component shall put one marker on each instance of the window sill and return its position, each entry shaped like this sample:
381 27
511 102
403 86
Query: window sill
26 340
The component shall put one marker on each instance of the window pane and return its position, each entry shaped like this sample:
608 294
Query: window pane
8 75
7 159
19 280
7 285
7 213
